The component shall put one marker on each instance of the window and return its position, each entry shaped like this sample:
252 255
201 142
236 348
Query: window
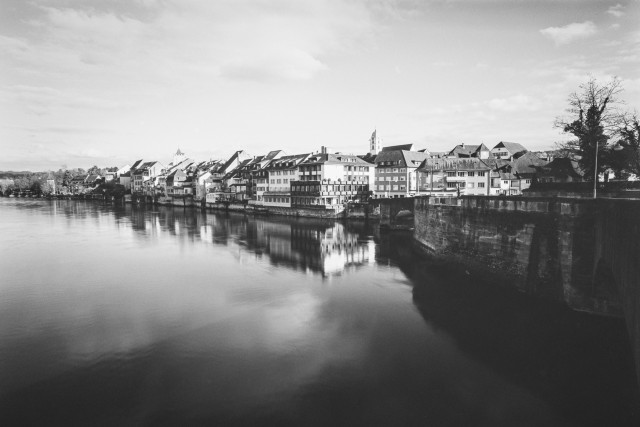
481 173
461 173
451 174
527 181
403 188
395 170
471 174
403 170
451 185
505 182
481 185
395 188
403 178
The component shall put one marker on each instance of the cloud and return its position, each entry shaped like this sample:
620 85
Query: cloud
278 65
617 10
570 32
514 103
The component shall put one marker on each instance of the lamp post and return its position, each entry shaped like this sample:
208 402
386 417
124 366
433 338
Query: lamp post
595 174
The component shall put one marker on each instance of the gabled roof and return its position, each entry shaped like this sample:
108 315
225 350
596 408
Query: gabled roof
232 159
330 158
369 157
406 147
412 159
511 147
465 150
561 167
406 158
272 154
287 162
136 165
526 164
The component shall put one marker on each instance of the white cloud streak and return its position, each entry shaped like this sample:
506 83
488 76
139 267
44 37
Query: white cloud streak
569 33
617 10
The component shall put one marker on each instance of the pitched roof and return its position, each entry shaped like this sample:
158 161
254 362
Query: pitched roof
511 147
561 167
413 159
407 147
526 164
330 158
136 165
405 157
466 150
287 162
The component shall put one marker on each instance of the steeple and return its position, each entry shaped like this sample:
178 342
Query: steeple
178 157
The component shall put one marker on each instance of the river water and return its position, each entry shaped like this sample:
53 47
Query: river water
115 315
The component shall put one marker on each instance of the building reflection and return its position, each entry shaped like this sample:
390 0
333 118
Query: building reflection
323 247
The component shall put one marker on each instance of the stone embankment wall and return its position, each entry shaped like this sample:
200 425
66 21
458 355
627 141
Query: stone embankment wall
582 252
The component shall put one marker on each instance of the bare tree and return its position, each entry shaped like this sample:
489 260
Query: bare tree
595 117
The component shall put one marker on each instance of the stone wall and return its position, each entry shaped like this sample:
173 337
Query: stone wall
542 246
582 252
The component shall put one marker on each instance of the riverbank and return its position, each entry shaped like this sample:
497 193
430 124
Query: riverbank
349 211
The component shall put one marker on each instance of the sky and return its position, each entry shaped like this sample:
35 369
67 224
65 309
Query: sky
106 82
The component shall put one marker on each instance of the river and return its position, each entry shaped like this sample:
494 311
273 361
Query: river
115 315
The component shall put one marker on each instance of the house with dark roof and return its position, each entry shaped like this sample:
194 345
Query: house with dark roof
144 178
463 150
179 183
518 174
395 172
560 169
405 147
507 150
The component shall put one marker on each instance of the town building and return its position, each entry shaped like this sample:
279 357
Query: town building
395 172
560 169
144 178
274 187
507 150
518 174
330 180
450 177
464 151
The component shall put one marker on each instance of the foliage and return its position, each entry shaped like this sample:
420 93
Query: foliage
627 159
598 120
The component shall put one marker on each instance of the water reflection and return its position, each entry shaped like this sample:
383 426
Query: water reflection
174 317
324 247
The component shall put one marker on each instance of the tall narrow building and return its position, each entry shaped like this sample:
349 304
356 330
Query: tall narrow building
374 143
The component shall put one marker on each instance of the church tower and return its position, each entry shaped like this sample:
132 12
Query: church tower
374 143
178 157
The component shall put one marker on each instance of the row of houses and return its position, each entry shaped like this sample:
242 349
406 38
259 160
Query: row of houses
325 179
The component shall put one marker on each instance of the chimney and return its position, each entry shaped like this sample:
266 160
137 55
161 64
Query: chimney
323 150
